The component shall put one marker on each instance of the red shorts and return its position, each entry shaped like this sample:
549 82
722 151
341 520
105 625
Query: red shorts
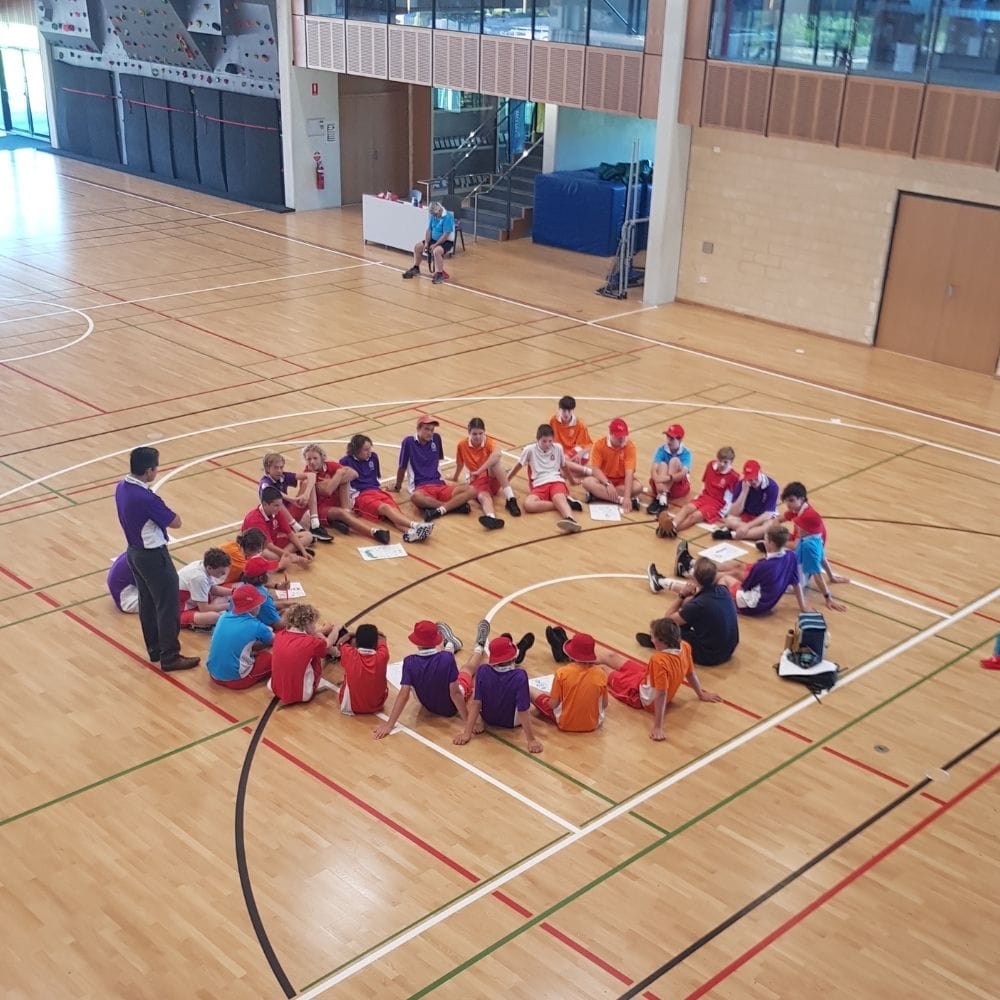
486 484
368 502
441 492
549 490
297 512
711 509
617 481
624 682
325 504
733 587
465 683
260 671
186 613
679 489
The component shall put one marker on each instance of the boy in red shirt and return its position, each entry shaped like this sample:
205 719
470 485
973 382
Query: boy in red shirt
271 517
297 655
365 659
720 481
333 495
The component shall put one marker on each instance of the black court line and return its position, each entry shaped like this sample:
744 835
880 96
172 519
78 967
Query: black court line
695 946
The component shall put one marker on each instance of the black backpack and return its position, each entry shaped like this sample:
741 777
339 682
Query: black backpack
803 659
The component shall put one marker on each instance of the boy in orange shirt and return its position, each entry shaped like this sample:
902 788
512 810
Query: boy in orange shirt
579 695
653 685
571 434
481 457
612 460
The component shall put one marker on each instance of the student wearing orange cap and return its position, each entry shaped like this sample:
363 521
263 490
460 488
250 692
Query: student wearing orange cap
612 468
670 476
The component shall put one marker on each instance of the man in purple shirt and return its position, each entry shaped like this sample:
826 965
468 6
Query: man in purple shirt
432 674
501 693
145 518
753 508
419 460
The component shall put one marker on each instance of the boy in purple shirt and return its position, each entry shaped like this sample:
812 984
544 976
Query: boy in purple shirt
753 508
121 586
145 518
501 696
367 495
419 461
432 674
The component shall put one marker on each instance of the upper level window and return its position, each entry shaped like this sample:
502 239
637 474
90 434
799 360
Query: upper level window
368 10
967 46
745 31
561 21
892 38
817 33
618 24
325 8
459 15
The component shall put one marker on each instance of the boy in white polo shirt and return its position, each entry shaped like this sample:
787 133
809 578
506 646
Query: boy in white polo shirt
545 461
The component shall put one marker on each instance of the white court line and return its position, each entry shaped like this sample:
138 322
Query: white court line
835 421
630 312
488 778
597 324
193 291
902 600
245 211
491 885
52 350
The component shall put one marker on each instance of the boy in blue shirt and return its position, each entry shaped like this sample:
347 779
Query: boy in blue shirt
670 475
438 241
237 657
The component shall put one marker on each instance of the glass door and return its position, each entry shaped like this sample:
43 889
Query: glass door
24 91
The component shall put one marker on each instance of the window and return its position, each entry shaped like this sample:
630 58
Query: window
561 21
325 8
967 46
744 30
891 38
414 12
368 10
817 33
459 15
618 24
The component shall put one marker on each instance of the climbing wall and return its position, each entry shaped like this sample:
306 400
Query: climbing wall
220 44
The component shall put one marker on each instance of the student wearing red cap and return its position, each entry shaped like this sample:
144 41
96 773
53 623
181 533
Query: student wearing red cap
203 595
755 506
420 463
670 476
238 656
578 699
255 573
297 655
501 697
612 468
433 675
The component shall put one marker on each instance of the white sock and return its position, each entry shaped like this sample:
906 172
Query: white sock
450 647
297 526
442 511
662 497
314 522
414 524
508 493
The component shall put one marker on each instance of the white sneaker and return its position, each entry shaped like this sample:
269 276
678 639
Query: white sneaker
450 639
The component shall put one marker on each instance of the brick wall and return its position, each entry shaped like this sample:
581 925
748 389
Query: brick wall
801 231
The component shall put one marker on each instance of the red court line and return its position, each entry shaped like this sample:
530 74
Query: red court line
835 890
54 388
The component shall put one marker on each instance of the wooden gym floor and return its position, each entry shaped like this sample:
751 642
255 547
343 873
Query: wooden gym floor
162 837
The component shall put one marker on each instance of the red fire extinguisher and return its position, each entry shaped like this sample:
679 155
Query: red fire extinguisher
320 175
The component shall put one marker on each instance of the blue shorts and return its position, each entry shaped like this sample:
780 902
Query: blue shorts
810 554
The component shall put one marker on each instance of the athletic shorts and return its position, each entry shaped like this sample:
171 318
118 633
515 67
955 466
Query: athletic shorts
809 551
624 682
711 510
465 683
186 613
745 598
260 671
679 489
297 512
486 484
549 490
367 503
441 492
747 518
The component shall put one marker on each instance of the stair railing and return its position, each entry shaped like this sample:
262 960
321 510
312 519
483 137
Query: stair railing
503 177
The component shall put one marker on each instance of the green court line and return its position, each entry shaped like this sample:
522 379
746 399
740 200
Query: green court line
688 824
535 759
50 611
122 774
866 468
49 586
46 486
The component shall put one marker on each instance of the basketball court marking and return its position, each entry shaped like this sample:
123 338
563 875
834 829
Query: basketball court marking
410 403
22 299
627 805
576 320
897 597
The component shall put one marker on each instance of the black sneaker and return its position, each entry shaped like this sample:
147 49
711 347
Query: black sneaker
432 515
654 508
653 575
310 551
574 504
320 534
588 497
557 638
722 534
635 503
411 272
381 536
462 508
523 645
341 526
512 507
760 547
490 523
682 566
644 639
